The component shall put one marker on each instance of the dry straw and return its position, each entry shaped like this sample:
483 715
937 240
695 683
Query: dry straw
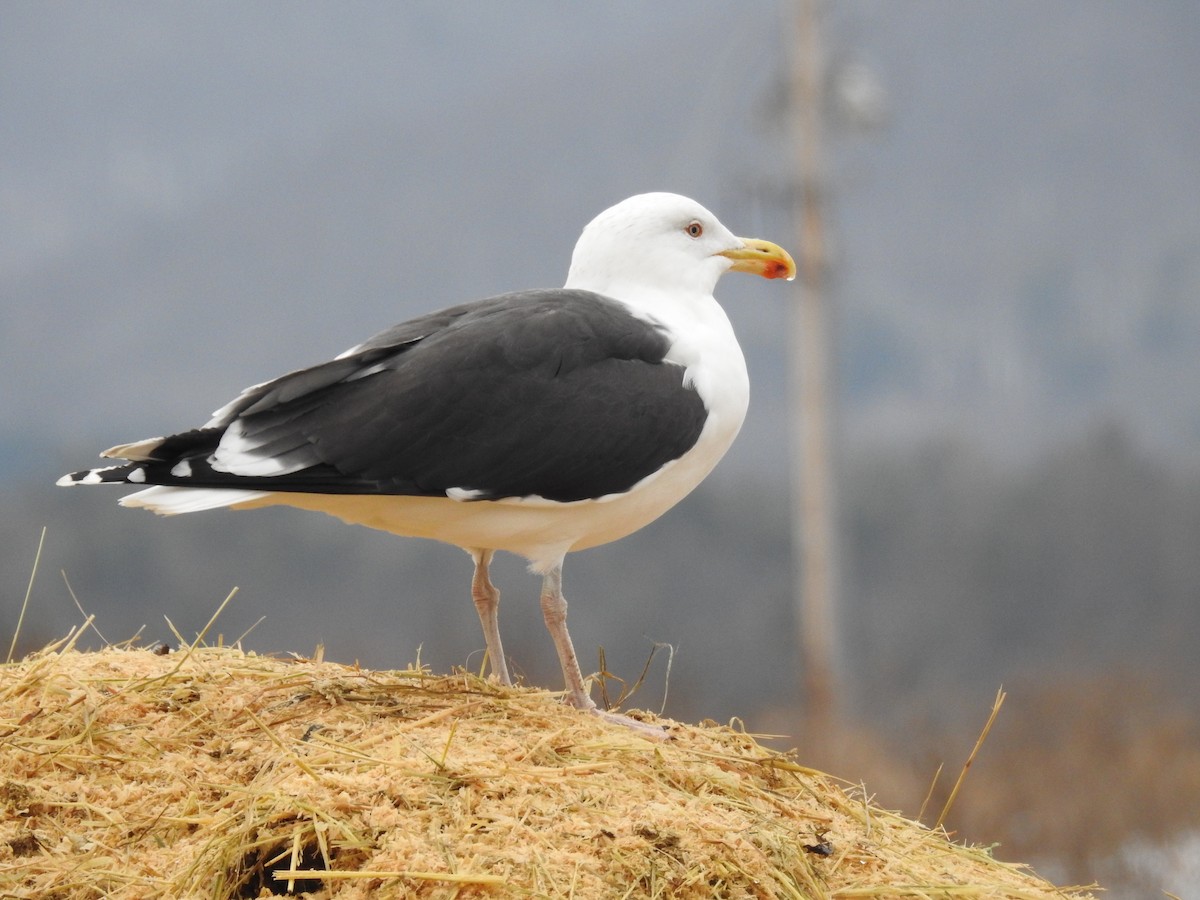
216 773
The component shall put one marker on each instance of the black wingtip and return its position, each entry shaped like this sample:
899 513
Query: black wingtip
105 475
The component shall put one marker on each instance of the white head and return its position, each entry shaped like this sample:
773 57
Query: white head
666 242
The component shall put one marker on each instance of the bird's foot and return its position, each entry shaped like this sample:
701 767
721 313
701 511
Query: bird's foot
583 702
645 729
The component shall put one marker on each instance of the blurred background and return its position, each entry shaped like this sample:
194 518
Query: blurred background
196 197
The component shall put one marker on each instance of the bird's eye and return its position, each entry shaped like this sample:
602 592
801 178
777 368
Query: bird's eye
694 229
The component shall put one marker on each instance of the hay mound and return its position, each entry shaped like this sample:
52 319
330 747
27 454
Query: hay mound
217 773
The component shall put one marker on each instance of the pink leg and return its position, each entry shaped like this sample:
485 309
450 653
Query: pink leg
554 611
487 604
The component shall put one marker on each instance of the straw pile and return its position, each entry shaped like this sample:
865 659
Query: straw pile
211 772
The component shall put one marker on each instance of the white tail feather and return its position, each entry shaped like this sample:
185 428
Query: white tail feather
170 501
138 451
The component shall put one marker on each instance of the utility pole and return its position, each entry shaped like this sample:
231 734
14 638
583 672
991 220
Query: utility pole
814 550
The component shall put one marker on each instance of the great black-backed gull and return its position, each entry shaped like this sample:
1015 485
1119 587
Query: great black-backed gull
536 422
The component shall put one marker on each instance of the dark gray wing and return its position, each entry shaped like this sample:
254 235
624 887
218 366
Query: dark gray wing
560 394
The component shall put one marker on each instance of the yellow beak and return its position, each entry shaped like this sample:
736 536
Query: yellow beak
762 258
